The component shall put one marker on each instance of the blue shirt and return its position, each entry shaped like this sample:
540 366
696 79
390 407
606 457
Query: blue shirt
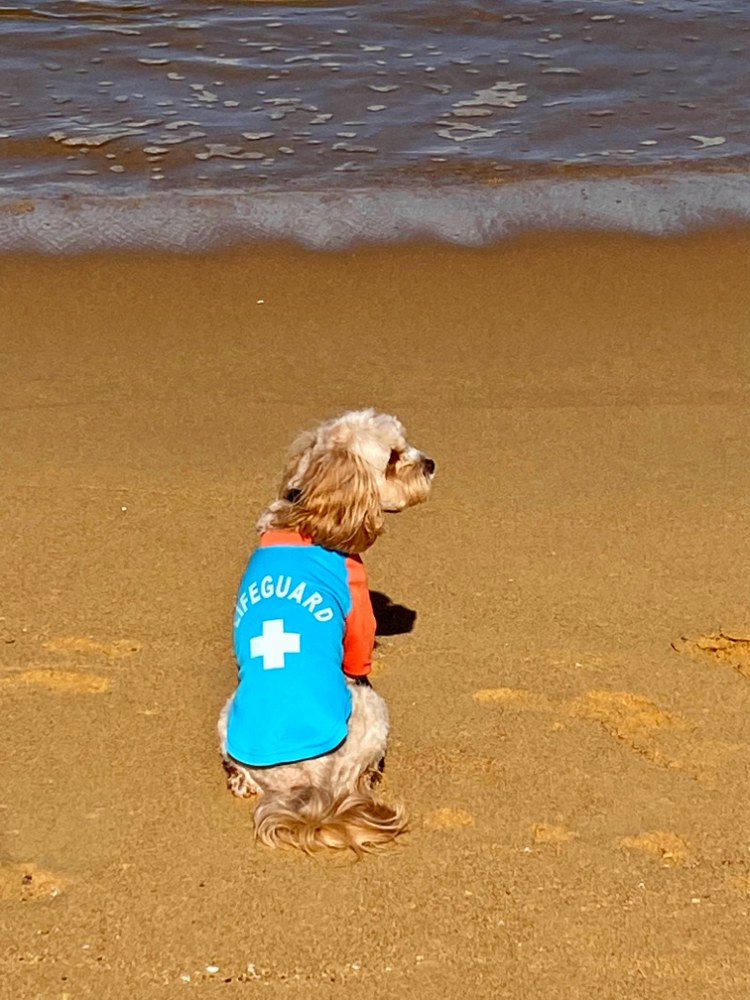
299 606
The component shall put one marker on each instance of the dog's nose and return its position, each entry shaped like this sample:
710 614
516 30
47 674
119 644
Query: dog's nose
429 466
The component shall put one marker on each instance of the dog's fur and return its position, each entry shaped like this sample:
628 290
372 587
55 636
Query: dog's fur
338 482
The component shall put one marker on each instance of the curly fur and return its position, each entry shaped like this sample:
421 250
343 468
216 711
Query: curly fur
341 478
313 820
338 482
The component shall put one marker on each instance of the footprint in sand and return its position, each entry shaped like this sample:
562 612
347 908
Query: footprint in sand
515 697
448 818
723 649
551 833
630 718
430 762
636 721
67 681
85 644
739 884
671 848
25 883
61 680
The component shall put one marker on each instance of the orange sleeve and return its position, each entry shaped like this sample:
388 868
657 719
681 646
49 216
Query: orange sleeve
359 637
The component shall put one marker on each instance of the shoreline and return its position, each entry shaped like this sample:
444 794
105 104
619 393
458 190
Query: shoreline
662 203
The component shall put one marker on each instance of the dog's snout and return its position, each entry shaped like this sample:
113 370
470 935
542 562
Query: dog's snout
429 466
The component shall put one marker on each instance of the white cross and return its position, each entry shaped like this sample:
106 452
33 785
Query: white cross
273 644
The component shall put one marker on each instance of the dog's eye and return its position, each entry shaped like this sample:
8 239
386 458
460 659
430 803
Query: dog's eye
395 456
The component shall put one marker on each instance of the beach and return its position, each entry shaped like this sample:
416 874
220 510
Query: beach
568 733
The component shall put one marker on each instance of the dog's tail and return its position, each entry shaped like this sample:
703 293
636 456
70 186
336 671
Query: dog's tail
314 820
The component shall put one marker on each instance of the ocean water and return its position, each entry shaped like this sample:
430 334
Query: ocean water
187 124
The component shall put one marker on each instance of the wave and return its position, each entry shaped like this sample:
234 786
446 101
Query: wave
469 214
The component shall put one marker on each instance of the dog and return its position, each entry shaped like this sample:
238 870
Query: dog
304 730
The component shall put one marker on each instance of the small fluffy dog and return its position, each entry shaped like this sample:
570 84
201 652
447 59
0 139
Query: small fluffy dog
304 730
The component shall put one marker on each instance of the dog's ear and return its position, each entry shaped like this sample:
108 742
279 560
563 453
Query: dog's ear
337 501
296 463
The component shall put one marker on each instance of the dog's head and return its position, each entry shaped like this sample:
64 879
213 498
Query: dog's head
342 477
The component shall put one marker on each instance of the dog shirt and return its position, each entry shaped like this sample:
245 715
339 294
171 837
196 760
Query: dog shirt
303 619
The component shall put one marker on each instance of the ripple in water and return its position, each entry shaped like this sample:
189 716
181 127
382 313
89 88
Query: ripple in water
103 98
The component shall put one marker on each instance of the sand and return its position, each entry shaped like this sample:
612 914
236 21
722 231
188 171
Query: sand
572 748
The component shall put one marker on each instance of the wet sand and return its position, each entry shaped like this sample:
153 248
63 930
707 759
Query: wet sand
578 787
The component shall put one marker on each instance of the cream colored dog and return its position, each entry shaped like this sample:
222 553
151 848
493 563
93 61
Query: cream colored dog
338 482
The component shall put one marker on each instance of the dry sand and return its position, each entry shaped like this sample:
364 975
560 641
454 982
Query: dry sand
578 787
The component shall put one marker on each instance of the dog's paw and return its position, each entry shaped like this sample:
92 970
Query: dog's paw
238 782
372 777
25 883
241 786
